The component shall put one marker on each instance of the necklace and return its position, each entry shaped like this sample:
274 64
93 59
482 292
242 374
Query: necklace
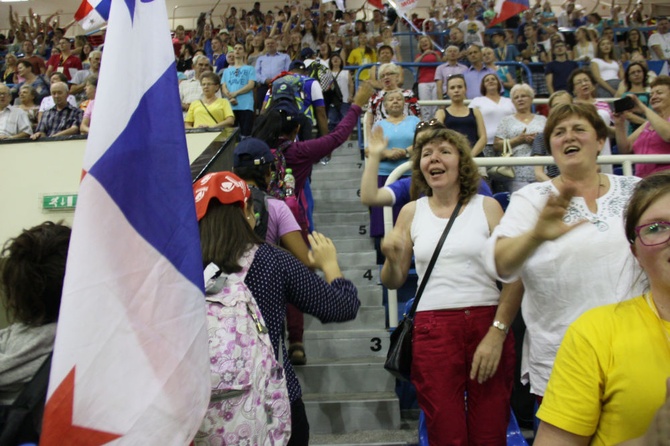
526 119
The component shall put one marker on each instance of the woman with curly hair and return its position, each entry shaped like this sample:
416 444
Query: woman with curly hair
459 342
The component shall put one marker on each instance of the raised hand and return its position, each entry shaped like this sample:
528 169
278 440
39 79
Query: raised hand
550 224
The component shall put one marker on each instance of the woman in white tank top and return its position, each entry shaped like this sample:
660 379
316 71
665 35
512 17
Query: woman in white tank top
460 342
607 71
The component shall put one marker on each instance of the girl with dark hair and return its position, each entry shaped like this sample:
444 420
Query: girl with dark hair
607 71
635 82
635 42
309 36
274 277
32 284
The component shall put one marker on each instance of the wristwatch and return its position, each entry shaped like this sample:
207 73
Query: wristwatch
500 326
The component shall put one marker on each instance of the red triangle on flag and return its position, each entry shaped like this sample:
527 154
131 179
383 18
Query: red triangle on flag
83 10
376 3
58 428
509 9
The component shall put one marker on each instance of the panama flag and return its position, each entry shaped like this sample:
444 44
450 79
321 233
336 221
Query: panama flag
508 8
92 14
131 361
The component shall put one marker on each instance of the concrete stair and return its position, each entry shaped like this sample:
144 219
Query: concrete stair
349 397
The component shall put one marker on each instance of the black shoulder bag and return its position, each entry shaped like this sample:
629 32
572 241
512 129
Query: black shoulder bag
21 422
399 357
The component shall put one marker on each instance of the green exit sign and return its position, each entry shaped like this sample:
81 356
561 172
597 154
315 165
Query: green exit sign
59 202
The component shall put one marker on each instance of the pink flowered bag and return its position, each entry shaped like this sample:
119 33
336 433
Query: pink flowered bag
249 403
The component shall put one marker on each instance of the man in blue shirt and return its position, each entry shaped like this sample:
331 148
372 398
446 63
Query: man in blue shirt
268 66
474 75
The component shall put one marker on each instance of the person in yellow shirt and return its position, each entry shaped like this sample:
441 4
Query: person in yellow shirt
611 376
209 111
362 55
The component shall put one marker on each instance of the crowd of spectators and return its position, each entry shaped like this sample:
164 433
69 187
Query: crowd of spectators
579 61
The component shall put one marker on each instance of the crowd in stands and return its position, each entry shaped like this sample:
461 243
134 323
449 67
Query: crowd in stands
284 75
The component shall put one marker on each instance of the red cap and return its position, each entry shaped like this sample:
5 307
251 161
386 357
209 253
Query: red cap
226 187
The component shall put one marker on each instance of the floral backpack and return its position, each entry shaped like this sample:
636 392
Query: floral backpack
249 403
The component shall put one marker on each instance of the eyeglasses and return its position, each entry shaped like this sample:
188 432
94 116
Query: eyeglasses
653 234
424 125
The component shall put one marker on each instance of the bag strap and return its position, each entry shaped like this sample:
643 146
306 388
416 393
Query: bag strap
208 112
433 260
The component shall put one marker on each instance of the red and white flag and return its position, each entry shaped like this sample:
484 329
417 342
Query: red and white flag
131 360
93 14
508 8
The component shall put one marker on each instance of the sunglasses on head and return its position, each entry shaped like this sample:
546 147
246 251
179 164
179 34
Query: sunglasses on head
433 123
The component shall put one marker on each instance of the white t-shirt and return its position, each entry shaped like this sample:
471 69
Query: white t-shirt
592 265
473 31
664 41
492 113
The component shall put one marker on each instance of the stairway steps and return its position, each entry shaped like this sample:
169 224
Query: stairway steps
368 316
363 274
333 182
348 396
338 195
325 219
370 295
359 232
353 243
360 258
346 343
352 412
338 171
336 377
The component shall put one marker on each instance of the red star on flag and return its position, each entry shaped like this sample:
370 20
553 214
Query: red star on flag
58 428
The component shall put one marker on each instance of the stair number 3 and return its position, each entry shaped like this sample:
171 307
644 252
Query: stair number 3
376 344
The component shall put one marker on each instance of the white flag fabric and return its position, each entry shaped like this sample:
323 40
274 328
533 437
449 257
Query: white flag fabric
131 361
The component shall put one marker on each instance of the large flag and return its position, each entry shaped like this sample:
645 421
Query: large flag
131 362
92 14
508 8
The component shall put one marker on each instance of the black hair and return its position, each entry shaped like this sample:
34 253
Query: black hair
33 273
272 124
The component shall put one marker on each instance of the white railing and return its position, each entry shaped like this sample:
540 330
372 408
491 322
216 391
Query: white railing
625 160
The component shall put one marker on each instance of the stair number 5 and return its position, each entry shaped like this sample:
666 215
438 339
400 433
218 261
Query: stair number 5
362 230
376 344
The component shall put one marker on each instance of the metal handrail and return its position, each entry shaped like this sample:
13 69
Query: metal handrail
626 161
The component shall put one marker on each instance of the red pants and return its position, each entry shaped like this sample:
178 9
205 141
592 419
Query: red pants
458 410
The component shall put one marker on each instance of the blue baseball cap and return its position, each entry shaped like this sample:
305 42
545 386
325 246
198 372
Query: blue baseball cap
252 152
